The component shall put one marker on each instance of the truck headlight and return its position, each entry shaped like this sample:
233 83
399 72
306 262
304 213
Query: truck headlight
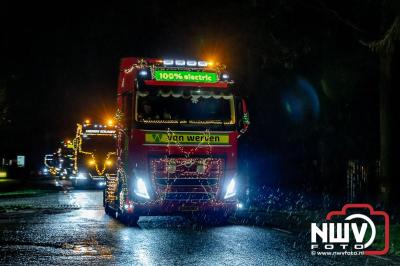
81 176
230 190
140 189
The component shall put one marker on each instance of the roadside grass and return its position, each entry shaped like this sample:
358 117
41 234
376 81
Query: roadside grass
23 193
394 239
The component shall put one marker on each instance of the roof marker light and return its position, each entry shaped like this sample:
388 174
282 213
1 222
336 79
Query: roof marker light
168 62
180 62
202 63
143 73
191 63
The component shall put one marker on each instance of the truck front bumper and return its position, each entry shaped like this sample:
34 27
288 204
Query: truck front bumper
159 208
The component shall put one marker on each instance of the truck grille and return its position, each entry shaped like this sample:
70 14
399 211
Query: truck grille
187 179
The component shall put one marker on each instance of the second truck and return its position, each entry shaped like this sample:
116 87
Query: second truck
94 154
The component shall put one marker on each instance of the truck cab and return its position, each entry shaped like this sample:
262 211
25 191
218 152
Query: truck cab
178 123
94 154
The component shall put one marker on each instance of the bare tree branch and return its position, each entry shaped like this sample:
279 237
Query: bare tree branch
386 45
340 18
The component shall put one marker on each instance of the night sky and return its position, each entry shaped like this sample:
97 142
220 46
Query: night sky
59 65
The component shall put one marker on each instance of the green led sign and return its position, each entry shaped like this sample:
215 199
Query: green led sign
185 76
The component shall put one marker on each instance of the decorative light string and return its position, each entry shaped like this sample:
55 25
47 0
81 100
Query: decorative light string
187 154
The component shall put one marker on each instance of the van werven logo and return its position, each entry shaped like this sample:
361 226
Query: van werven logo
157 137
161 138
346 234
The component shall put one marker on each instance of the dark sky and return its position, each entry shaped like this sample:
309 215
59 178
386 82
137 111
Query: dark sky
59 62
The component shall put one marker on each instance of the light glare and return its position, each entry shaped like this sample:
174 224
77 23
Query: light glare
143 73
141 189
230 190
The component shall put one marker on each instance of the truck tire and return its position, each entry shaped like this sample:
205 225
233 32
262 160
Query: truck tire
110 212
129 219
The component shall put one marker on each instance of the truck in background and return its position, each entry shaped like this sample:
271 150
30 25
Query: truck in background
51 165
94 154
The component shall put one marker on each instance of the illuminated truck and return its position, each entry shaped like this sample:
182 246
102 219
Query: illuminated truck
94 154
60 164
51 165
178 126
66 157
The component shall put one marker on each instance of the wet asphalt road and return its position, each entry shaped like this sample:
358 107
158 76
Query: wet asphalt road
72 229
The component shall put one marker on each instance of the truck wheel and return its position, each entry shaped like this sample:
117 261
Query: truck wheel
129 220
110 212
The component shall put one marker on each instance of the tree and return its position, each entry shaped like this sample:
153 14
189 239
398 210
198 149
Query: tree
386 49
3 105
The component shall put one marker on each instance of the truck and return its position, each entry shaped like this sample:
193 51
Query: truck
94 154
51 165
59 164
65 155
178 125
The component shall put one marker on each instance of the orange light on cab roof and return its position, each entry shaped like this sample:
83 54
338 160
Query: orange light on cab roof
87 121
110 122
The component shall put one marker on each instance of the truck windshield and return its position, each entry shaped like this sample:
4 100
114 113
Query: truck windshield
190 108
99 143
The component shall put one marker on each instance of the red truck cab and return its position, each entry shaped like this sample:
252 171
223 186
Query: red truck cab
178 123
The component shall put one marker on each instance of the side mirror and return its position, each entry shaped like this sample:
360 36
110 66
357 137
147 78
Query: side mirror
244 120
